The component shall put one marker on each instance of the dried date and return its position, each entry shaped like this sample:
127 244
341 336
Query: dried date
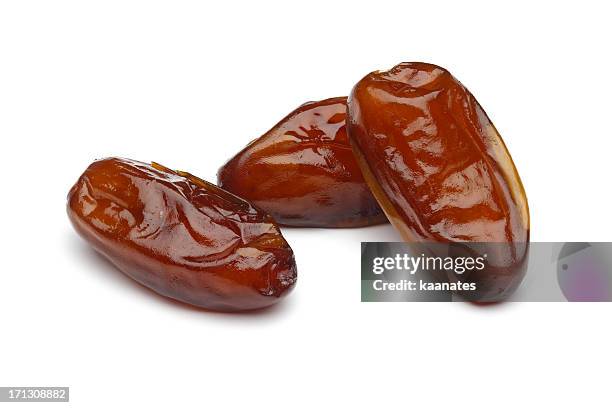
182 237
439 168
303 171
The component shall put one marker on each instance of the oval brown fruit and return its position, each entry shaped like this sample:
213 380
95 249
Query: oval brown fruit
439 168
303 172
181 236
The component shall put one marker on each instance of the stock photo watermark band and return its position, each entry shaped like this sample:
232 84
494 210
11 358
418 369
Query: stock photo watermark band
486 272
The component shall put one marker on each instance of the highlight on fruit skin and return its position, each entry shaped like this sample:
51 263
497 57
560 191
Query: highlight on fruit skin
303 171
181 236
439 168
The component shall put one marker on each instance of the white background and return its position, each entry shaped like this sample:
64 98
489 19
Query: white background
188 84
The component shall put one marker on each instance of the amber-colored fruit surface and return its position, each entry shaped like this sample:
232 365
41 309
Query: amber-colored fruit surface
182 237
438 166
303 171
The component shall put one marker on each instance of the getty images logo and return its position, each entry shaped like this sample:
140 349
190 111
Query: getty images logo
412 264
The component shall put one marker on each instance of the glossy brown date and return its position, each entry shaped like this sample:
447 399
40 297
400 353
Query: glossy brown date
303 171
439 168
182 237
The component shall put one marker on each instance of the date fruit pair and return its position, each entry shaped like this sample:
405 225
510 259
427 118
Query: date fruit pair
415 138
429 154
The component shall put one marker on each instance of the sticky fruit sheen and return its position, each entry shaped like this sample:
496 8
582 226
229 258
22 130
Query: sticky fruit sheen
303 171
182 237
439 168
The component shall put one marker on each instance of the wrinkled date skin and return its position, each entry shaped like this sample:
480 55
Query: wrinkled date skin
303 171
182 237
440 169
